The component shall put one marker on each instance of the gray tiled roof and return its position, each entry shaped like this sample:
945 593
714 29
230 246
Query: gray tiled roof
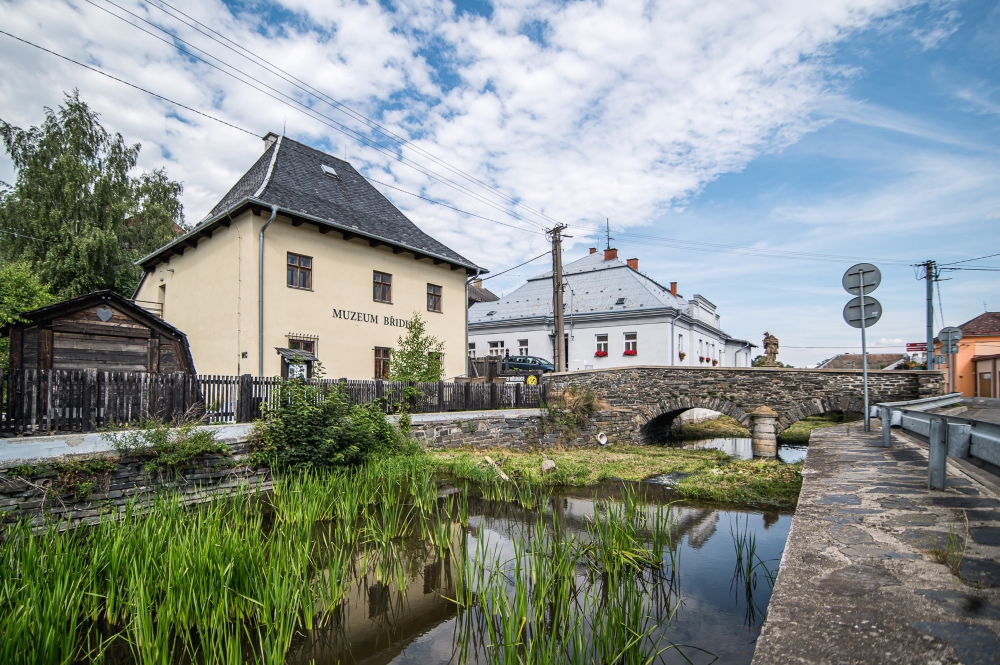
297 183
481 294
595 285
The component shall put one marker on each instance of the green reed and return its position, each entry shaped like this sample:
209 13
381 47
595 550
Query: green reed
173 583
604 597
748 566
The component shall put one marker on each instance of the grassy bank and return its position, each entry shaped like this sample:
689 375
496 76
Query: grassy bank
703 474
799 432
722 427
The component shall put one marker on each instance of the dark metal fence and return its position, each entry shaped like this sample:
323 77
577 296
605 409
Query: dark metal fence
37 401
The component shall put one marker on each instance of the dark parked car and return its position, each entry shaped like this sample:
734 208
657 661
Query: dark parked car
529 364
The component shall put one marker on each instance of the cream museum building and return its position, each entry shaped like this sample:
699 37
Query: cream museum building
304 258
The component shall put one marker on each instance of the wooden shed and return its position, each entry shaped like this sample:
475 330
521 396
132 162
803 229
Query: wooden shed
100 330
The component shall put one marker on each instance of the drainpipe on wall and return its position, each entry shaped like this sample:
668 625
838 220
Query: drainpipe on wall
465 351
672 338
260 295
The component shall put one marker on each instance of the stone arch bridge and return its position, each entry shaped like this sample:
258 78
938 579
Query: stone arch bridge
639 403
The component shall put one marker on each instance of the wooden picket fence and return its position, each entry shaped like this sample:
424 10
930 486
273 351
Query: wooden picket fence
39 401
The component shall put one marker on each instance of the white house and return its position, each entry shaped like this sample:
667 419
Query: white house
615 316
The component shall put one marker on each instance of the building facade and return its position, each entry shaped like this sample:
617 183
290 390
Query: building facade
980 340
303 254
614 316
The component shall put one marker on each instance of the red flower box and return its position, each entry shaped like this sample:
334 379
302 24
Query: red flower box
600 354
629 352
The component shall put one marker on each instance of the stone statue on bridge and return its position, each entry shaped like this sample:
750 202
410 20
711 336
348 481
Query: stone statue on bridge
770 350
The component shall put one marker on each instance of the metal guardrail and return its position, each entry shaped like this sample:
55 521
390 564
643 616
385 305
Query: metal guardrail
948 436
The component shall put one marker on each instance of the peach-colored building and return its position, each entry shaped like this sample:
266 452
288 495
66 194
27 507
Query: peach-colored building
977 356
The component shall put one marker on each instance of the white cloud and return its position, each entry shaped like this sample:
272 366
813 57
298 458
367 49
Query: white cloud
625 109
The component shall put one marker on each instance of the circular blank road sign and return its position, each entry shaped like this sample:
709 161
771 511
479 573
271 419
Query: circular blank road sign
853 279
950 335
852 312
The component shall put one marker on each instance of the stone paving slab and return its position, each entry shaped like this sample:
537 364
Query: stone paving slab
859 581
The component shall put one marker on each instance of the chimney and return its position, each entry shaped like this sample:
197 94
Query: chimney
478 283
269 140
593 250
610 254
633 264
673 289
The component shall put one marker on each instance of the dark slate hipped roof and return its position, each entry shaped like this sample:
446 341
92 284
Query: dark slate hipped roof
481 294
987 323
290 175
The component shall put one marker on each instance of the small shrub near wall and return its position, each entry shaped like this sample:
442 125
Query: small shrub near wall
569 411
310 426
163 449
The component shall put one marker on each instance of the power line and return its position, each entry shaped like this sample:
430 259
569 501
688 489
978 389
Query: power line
292 102
287 100
464 212
246 131
983 269
988 256
753 251
18 234
131 85
340 106
518 265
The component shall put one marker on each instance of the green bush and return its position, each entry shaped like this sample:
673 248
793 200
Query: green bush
306 426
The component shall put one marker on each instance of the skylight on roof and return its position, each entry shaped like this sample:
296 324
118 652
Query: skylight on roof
620 301
491 313
329 170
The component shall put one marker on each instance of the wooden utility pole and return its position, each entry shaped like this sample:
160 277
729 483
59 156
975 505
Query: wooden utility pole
559 340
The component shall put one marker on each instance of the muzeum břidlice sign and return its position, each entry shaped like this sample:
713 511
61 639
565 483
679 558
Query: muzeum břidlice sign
364 317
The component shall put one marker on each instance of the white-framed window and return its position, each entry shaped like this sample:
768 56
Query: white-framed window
472 349
496 348
632 342
522 347
680 346
602 343
701 348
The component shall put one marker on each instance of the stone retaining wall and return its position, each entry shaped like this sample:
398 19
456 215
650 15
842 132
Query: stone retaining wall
520 428
33 490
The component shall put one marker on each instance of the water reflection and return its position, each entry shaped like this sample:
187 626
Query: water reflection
741 448
716 602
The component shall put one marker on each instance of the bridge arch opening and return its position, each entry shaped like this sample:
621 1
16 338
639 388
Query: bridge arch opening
661 419
658 429
847 408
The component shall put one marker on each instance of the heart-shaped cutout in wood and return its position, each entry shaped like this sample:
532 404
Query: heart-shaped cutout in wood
104 314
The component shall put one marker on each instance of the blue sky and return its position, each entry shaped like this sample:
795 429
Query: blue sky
855 129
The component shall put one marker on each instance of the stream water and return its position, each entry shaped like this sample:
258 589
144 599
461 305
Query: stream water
708 605
741 448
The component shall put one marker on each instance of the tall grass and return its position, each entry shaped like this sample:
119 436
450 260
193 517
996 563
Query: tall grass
749 567
604 596
230 580
245 578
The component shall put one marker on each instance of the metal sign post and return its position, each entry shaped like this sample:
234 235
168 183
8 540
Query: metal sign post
861 312
949 338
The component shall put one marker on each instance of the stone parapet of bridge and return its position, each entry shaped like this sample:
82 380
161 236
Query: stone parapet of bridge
651 397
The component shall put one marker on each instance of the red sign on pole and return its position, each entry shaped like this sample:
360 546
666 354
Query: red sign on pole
912 347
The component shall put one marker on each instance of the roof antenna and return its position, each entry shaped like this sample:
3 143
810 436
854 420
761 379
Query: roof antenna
608 228
284 124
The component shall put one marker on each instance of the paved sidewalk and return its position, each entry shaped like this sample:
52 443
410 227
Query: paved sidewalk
859 582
